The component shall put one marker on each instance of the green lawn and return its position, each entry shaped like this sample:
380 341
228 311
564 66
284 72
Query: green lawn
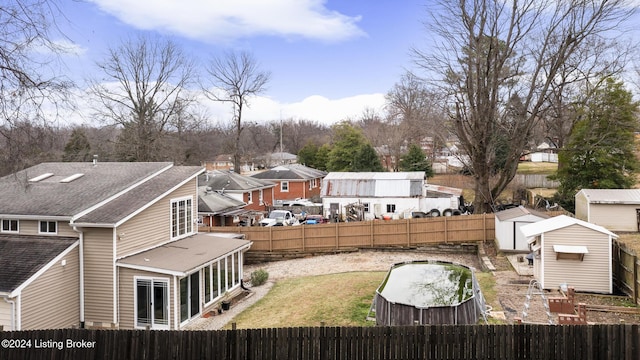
336 300
528 167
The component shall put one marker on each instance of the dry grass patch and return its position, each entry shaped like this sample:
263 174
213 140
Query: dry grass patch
337 300
528 167
631 241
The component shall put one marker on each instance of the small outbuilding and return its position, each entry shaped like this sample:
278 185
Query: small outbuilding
572 252
508 224
615 209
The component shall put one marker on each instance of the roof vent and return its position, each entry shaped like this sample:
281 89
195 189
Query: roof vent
41 177
69 179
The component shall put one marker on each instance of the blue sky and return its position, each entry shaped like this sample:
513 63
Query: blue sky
329 60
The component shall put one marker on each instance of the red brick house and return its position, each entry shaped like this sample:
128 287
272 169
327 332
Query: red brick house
293 181
256 193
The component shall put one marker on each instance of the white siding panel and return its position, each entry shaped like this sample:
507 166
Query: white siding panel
5 315
98 278
31 227
592 274
52 301
615 217
582 207
152 226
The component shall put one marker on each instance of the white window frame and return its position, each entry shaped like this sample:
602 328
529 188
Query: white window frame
48 232
366 207
283 187
261 196
188 221
250 197
8 230
167 299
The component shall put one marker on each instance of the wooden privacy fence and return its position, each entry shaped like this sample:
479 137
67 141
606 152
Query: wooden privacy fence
318 343
368 234
626 270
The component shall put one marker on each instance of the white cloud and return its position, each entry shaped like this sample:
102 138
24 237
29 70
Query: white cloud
224 20
314 108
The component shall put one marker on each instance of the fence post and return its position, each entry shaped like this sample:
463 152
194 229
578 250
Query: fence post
446 228
635 279
271 239
372 231
337 236
408 233
303 235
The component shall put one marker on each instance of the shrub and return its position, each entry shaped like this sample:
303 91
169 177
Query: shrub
259 277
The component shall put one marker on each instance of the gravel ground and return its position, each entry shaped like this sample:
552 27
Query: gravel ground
510 287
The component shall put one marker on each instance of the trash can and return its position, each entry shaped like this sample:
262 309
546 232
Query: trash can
225 305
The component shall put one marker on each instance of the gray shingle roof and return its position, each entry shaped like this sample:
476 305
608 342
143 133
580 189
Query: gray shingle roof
212 202
290 172
137 183
136 198
50 197
21 256
219 180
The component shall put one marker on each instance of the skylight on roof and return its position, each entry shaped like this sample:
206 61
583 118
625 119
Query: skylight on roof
41 177
69 179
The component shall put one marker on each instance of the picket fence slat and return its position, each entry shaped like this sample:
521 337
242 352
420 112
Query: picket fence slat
436 342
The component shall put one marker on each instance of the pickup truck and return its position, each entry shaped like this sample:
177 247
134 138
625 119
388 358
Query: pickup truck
280 218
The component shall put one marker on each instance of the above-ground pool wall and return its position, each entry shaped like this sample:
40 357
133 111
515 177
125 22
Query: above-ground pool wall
393 314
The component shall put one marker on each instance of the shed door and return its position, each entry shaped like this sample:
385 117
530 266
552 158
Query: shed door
638 218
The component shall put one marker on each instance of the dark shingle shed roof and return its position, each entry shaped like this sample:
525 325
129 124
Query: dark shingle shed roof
21 256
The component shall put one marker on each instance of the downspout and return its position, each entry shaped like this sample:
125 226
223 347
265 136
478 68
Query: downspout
81 250
13 312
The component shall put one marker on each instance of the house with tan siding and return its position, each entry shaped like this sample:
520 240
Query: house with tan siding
571 252
615 209
109 245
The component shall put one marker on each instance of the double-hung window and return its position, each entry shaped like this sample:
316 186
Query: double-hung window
9 226
48 227
284 186
181 217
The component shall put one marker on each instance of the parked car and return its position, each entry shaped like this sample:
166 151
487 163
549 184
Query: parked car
298 202
280 218
315 219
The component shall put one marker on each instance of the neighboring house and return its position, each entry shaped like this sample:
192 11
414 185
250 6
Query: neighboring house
277 159
615 209
293 181
255 193
508 223
220 162
381 193
217 209
572 252
109 245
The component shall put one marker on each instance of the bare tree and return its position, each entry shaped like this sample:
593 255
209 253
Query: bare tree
235 78
145 92
28 76
497 61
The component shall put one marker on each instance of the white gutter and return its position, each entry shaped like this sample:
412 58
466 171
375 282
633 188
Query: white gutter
81 251
13 312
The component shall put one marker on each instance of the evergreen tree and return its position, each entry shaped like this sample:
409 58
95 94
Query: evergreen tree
77 148
367 159
307 155
347 140
600 153
322 157
415 160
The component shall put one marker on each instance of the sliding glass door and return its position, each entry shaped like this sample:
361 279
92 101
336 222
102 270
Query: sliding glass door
152 303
